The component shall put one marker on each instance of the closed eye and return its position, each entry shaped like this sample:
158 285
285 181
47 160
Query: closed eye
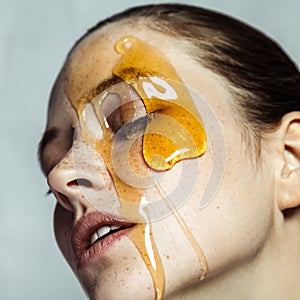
53 147
132 129
111 109
123 109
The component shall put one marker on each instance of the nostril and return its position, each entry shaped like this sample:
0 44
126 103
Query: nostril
80 182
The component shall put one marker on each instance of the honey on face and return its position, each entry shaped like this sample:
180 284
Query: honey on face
175 130
172 131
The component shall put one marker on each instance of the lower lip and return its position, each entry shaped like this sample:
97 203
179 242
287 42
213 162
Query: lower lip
93 254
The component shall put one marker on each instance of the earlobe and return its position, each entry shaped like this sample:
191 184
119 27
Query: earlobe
288 195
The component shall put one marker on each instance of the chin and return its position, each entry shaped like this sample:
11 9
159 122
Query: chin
119 274
116 286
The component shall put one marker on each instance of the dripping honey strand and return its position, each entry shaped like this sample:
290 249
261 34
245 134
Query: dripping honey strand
143 239
187 232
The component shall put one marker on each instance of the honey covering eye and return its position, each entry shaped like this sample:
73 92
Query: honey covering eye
175 130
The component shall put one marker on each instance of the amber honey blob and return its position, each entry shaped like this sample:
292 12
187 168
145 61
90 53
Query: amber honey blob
175 130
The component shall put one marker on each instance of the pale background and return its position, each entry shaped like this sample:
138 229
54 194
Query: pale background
35 36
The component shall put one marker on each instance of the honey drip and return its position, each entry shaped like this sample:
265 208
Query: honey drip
142 237
187 232
178 135
127 194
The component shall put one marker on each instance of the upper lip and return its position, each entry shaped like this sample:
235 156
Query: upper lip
87 225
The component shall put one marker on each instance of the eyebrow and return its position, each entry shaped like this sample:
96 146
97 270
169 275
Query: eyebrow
115 79
107 83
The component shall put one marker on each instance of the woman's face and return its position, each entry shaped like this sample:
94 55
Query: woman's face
129 226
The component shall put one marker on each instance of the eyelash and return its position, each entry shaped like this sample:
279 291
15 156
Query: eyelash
49 192
132 127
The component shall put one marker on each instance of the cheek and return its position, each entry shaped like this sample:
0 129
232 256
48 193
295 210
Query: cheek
63 220
235 225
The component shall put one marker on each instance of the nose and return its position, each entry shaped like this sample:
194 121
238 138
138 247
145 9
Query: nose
78 177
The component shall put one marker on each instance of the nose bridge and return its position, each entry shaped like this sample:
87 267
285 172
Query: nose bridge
81 173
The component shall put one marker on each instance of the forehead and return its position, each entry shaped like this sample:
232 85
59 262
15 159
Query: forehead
92 61
94 58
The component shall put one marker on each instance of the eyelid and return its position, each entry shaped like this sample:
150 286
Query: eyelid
56 149
49 136
119 105
128 131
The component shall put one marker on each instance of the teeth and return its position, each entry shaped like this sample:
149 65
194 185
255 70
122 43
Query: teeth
102 231
94 238
114 227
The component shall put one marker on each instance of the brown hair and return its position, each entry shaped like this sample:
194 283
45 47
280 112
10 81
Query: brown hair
265 82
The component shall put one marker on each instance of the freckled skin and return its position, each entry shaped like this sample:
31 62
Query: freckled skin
237 231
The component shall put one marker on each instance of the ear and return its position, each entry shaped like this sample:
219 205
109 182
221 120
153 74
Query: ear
288 191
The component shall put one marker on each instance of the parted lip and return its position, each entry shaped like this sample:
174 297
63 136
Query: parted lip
83 229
